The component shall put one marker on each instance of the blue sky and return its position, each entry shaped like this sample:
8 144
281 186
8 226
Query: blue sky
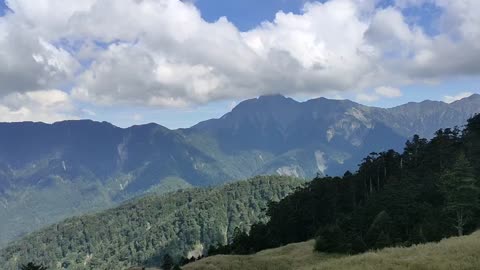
203 67
3 7
246 14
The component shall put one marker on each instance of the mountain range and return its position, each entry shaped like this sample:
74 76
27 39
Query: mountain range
52 171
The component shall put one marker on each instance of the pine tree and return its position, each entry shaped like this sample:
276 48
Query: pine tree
461 193
383 241
472 136
167 262
32 266
358 245
331 239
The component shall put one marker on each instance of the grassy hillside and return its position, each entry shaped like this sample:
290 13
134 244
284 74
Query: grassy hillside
141 231
453 253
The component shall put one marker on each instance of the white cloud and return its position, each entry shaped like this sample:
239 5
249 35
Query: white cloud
450 99
183 65
88 112
43 105
31 63
162 53
388 92
137 117
368 98
389 33
379 92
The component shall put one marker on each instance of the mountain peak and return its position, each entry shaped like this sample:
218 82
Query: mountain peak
282 110
473 97
272 97
469 104
266 102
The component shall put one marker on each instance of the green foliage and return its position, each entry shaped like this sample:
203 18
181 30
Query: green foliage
461 192
32 266
472 134
331 239
142 231
377 235
167 262
393 199
358 245
25 209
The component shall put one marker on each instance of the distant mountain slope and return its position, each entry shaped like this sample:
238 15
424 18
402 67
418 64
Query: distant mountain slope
426 117
322 135
49 172
141 231
90 165
454 253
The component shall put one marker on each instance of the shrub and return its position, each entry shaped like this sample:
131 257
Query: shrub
331 240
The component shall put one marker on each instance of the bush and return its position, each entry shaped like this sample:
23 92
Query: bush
383 241
32 266
358 245
331 240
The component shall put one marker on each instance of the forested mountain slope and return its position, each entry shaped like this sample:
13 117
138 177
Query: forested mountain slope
91 165
428 192
141 231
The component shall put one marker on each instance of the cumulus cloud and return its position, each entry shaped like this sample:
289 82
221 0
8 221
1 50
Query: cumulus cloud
161 53
29 62
191 61
450 99
43 105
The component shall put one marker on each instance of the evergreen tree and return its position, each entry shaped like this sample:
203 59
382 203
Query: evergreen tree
383 241
461 193
331 239
358 245
472 136
167 262
32 266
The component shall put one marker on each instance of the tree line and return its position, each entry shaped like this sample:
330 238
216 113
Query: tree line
428 192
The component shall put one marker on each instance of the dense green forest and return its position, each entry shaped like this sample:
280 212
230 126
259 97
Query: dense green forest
141 232
428 192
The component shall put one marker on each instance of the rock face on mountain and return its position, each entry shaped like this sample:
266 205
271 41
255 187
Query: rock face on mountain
49 172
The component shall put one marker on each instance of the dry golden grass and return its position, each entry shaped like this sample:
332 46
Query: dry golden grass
458 253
